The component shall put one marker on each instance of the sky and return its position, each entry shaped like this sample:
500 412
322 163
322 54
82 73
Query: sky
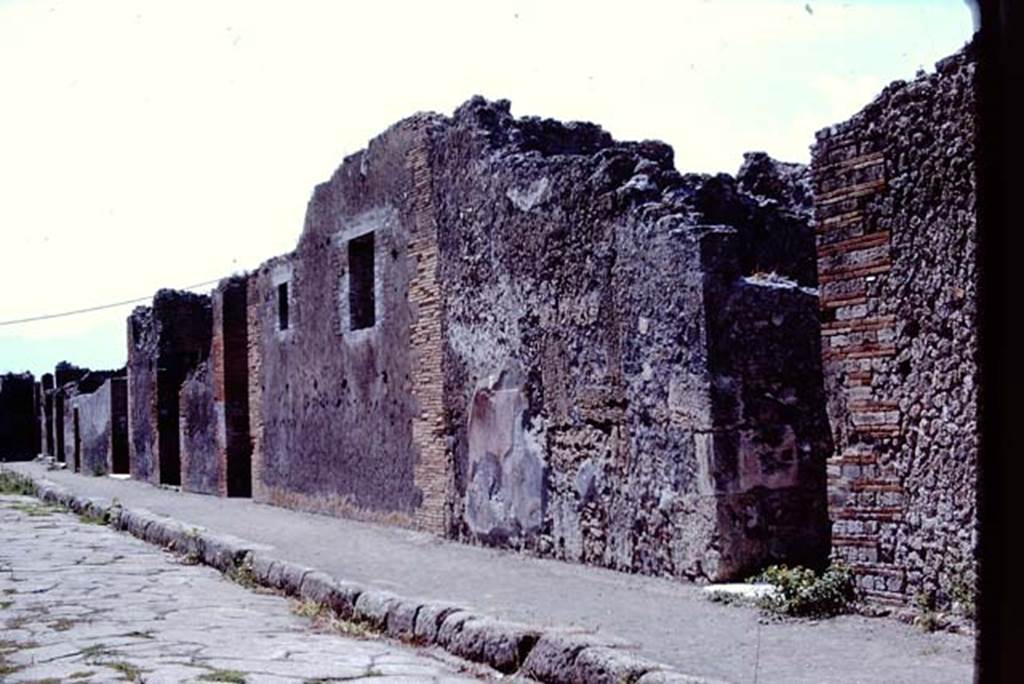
148 144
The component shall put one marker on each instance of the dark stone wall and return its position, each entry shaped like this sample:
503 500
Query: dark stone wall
119 457
142 423
895 208
593 394
165 342
231 387
18 420
549 361
333 421
46 413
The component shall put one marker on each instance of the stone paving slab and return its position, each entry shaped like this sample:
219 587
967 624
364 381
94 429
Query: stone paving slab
655 620
82 603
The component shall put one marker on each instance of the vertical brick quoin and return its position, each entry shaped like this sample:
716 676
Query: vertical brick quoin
347 420
214 422
895 220
619 391
165 342
433 474
18 420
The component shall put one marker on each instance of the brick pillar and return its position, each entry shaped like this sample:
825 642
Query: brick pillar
858 332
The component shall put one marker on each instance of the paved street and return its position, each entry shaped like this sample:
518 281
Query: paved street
665 620
80 602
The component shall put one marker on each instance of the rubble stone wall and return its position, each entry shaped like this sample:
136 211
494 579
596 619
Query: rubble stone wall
895 214
165 342
598 406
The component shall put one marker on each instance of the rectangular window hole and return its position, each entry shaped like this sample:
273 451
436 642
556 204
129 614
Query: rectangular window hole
282 306
362 307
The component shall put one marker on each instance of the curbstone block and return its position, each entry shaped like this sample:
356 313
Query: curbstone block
264 567
342 598
501 645
372 607
603 665
222 551
452 625
401 618
290 578
553 657
429 619
316 587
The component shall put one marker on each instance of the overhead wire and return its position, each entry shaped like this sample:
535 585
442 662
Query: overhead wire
101 307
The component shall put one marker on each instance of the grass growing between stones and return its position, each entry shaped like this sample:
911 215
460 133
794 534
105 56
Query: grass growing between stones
8 647
129 672
32 509
243 575
326 619
233 676
93 519
13 483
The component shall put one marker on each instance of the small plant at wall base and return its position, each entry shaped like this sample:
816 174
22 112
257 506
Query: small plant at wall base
800 592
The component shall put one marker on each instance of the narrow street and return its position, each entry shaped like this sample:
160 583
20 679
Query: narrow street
80 602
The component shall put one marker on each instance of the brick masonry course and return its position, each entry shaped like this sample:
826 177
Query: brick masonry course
895 219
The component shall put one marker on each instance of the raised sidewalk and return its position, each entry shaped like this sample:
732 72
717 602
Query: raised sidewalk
641 619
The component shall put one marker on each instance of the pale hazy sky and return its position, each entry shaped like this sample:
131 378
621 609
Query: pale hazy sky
150 144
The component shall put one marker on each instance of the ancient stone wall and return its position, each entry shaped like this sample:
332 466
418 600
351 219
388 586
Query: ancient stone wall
142 408
18 420
165 343
345 347
46 413
214 402
88 420
597 404
895 214
95 433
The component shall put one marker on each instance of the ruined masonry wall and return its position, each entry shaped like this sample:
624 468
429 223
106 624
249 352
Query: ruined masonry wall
214 402
17 417
346 419
593 414
895 208
95 434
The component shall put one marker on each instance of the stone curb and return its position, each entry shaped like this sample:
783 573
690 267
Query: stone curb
539 654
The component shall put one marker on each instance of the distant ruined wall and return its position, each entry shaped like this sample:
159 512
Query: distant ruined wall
165 342
214 402
46 413
95 433
142 409
18 419
616 391
202 465
895 214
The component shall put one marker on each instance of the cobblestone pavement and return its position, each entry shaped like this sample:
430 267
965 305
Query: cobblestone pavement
80 602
